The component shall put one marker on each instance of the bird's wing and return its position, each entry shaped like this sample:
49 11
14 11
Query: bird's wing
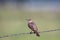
32 27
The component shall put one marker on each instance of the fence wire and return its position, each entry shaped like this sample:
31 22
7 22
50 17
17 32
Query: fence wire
11 35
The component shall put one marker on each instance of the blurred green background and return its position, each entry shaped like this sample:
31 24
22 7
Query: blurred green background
12 21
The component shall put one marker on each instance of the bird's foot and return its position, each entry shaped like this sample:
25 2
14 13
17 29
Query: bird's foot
34 32
31 32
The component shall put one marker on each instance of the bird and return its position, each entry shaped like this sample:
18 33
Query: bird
33 27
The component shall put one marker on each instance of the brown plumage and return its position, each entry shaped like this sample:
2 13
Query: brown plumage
33 27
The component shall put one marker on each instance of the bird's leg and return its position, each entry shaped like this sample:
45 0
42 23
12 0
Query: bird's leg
31 32
34 32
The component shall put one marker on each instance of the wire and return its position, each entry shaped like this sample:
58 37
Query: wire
27 33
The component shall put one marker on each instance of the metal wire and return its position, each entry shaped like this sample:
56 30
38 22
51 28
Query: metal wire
28 33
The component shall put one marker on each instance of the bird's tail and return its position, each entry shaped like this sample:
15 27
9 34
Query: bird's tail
37 33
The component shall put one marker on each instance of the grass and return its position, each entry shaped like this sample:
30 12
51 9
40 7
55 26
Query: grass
12 22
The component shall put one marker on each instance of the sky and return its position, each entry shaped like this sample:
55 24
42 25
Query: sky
36 4
42 5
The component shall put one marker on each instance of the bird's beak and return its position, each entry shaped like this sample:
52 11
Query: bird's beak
26 19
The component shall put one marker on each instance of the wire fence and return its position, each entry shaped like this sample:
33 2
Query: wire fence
11 35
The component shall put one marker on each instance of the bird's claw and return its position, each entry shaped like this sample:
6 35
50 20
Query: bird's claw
31 32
